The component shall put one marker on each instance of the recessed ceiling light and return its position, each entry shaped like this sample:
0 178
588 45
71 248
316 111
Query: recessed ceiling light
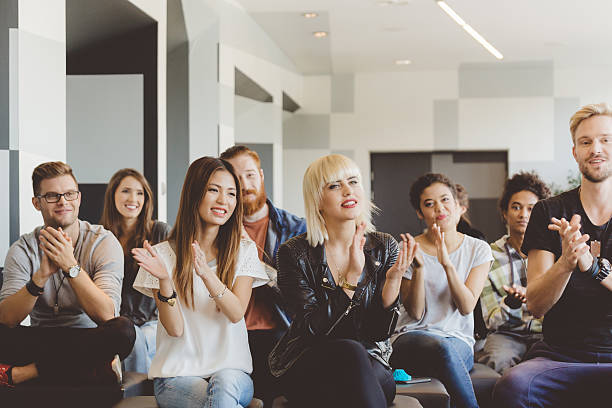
468 28
310 15
393 2
403 62
320 34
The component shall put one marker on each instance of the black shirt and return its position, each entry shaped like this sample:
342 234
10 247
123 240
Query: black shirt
135 306
582 317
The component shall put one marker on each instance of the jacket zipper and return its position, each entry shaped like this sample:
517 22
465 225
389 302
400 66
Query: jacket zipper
345 313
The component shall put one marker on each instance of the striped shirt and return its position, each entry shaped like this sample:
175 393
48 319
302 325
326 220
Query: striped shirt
508 268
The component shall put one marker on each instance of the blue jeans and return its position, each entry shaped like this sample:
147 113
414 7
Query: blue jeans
556 378
139 360
449 359
226 388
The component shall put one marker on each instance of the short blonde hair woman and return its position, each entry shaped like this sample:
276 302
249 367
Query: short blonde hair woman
322 170
341 281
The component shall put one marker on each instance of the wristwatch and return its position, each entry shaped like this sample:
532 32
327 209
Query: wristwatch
604 269
73 272
169 300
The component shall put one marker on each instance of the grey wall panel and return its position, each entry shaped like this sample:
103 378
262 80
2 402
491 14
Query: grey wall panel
5 223
481 180
446 124
104 123
306 132
177 149
266 157
13 192
8 19
256 122
342 93
557 171
348 153
480 157
516 79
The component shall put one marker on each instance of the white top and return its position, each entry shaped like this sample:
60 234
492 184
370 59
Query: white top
210 341
441 315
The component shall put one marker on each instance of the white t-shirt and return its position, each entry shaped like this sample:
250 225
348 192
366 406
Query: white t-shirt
441 315
210 341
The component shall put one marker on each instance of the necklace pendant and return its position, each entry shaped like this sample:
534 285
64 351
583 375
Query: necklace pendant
595 248
55 310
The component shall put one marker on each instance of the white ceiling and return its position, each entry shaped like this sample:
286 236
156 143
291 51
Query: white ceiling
368 37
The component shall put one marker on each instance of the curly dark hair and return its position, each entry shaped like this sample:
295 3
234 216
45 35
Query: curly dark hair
425 181
522 181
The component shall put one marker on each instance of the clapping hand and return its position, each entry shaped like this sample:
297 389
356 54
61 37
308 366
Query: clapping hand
199 261
57 246
408 249
356 255
574 249
441 250
147 259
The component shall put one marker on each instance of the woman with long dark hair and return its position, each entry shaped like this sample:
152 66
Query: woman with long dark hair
201 280
128 213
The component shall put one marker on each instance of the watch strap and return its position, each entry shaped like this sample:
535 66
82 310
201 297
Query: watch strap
170 300
604 268
34 289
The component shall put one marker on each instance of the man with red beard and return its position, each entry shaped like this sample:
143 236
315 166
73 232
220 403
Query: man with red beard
569 248
268 227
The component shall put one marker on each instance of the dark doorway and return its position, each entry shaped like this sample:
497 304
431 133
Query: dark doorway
481 173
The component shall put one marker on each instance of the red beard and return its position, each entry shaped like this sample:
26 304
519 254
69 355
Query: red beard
251 206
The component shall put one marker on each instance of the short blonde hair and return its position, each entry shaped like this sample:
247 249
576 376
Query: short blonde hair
586 112
321 172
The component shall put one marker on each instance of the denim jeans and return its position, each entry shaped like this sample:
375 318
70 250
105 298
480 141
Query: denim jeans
226 388
140 358
449 359
553 377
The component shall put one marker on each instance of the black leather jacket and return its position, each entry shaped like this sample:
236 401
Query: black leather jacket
318 306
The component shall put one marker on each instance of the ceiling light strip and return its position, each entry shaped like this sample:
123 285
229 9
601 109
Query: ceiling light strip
469 29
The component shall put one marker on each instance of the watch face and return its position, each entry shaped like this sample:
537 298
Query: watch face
74 271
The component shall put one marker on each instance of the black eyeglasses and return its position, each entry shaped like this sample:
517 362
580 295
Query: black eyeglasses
55 197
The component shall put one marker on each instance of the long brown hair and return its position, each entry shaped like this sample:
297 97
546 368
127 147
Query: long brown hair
111 218
188 220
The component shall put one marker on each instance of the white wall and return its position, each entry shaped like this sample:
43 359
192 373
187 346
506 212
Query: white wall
275 79
397 112
37 98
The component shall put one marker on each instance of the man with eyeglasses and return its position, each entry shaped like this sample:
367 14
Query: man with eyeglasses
66 275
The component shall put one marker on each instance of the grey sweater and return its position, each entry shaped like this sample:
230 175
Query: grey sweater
99 254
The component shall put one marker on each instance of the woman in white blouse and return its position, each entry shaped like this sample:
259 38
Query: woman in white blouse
201 280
